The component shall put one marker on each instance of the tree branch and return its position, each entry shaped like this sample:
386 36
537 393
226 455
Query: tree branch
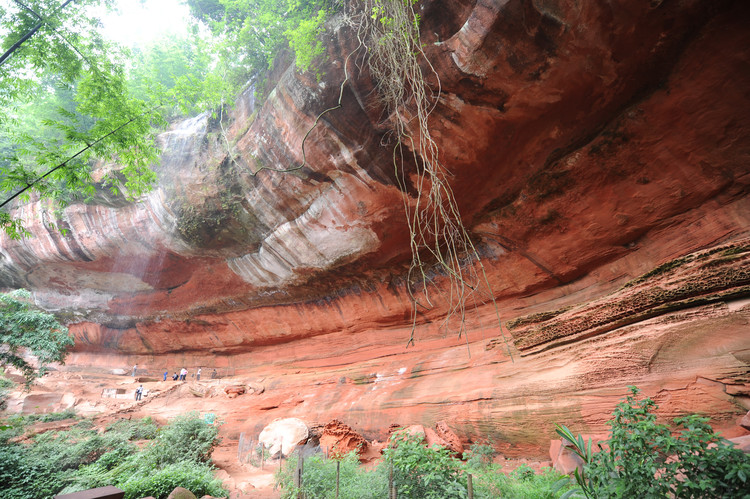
28 35
64 163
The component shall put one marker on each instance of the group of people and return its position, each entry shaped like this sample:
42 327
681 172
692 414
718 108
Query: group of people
182 376
176 377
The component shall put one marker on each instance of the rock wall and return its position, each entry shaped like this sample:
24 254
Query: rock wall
590 143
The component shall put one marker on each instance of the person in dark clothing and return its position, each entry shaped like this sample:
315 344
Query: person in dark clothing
174 378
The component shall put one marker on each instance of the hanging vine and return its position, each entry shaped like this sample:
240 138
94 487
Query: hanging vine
389 32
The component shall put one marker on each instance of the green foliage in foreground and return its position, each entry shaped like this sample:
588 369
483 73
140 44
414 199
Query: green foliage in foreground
23 326
642 458
319 479
81 458
418 472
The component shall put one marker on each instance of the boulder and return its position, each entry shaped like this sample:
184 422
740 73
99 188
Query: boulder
198 391
432 438
563 458
338 439
745 421
451 440
181 493
742 443
255 388
234 391
283 435
415 429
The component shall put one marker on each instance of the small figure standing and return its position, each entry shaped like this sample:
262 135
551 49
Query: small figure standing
198 375
138 393
135 368
166 372
213 374
183 374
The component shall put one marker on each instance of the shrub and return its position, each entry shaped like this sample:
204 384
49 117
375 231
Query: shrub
135 429
22 477
425 472
186 438
196 477
479 456
81 458
642 458
418 472
73 448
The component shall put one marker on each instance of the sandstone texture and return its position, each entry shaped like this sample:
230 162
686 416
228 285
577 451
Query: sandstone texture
283 435
339 439
600 156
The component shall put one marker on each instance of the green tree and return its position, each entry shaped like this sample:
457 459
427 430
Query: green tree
101 121
257 31
179 71
23 327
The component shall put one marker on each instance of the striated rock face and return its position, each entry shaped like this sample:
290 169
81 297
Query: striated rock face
590 143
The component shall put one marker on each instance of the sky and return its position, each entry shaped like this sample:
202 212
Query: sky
139 22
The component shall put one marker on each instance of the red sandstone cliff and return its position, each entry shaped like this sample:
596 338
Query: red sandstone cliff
590 143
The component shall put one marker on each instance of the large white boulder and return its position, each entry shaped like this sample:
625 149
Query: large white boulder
283 435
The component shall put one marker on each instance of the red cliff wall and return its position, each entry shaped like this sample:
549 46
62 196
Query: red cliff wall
590 142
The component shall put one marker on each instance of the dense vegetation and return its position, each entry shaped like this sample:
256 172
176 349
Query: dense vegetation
26 329
176 455
642 458
419 472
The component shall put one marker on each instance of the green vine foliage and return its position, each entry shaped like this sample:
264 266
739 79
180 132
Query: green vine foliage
644 458
23 327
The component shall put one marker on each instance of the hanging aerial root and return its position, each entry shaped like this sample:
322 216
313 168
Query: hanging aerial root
389 32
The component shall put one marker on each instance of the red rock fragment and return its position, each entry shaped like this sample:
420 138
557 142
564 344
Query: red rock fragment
338 439
234 391
451 440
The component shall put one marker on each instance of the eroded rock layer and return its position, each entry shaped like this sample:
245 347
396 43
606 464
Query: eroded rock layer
600 155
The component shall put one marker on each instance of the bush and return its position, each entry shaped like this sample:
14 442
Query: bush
81 458
186 438
135 429
479 456
196 477
74 448
642 458
425 472
22 477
